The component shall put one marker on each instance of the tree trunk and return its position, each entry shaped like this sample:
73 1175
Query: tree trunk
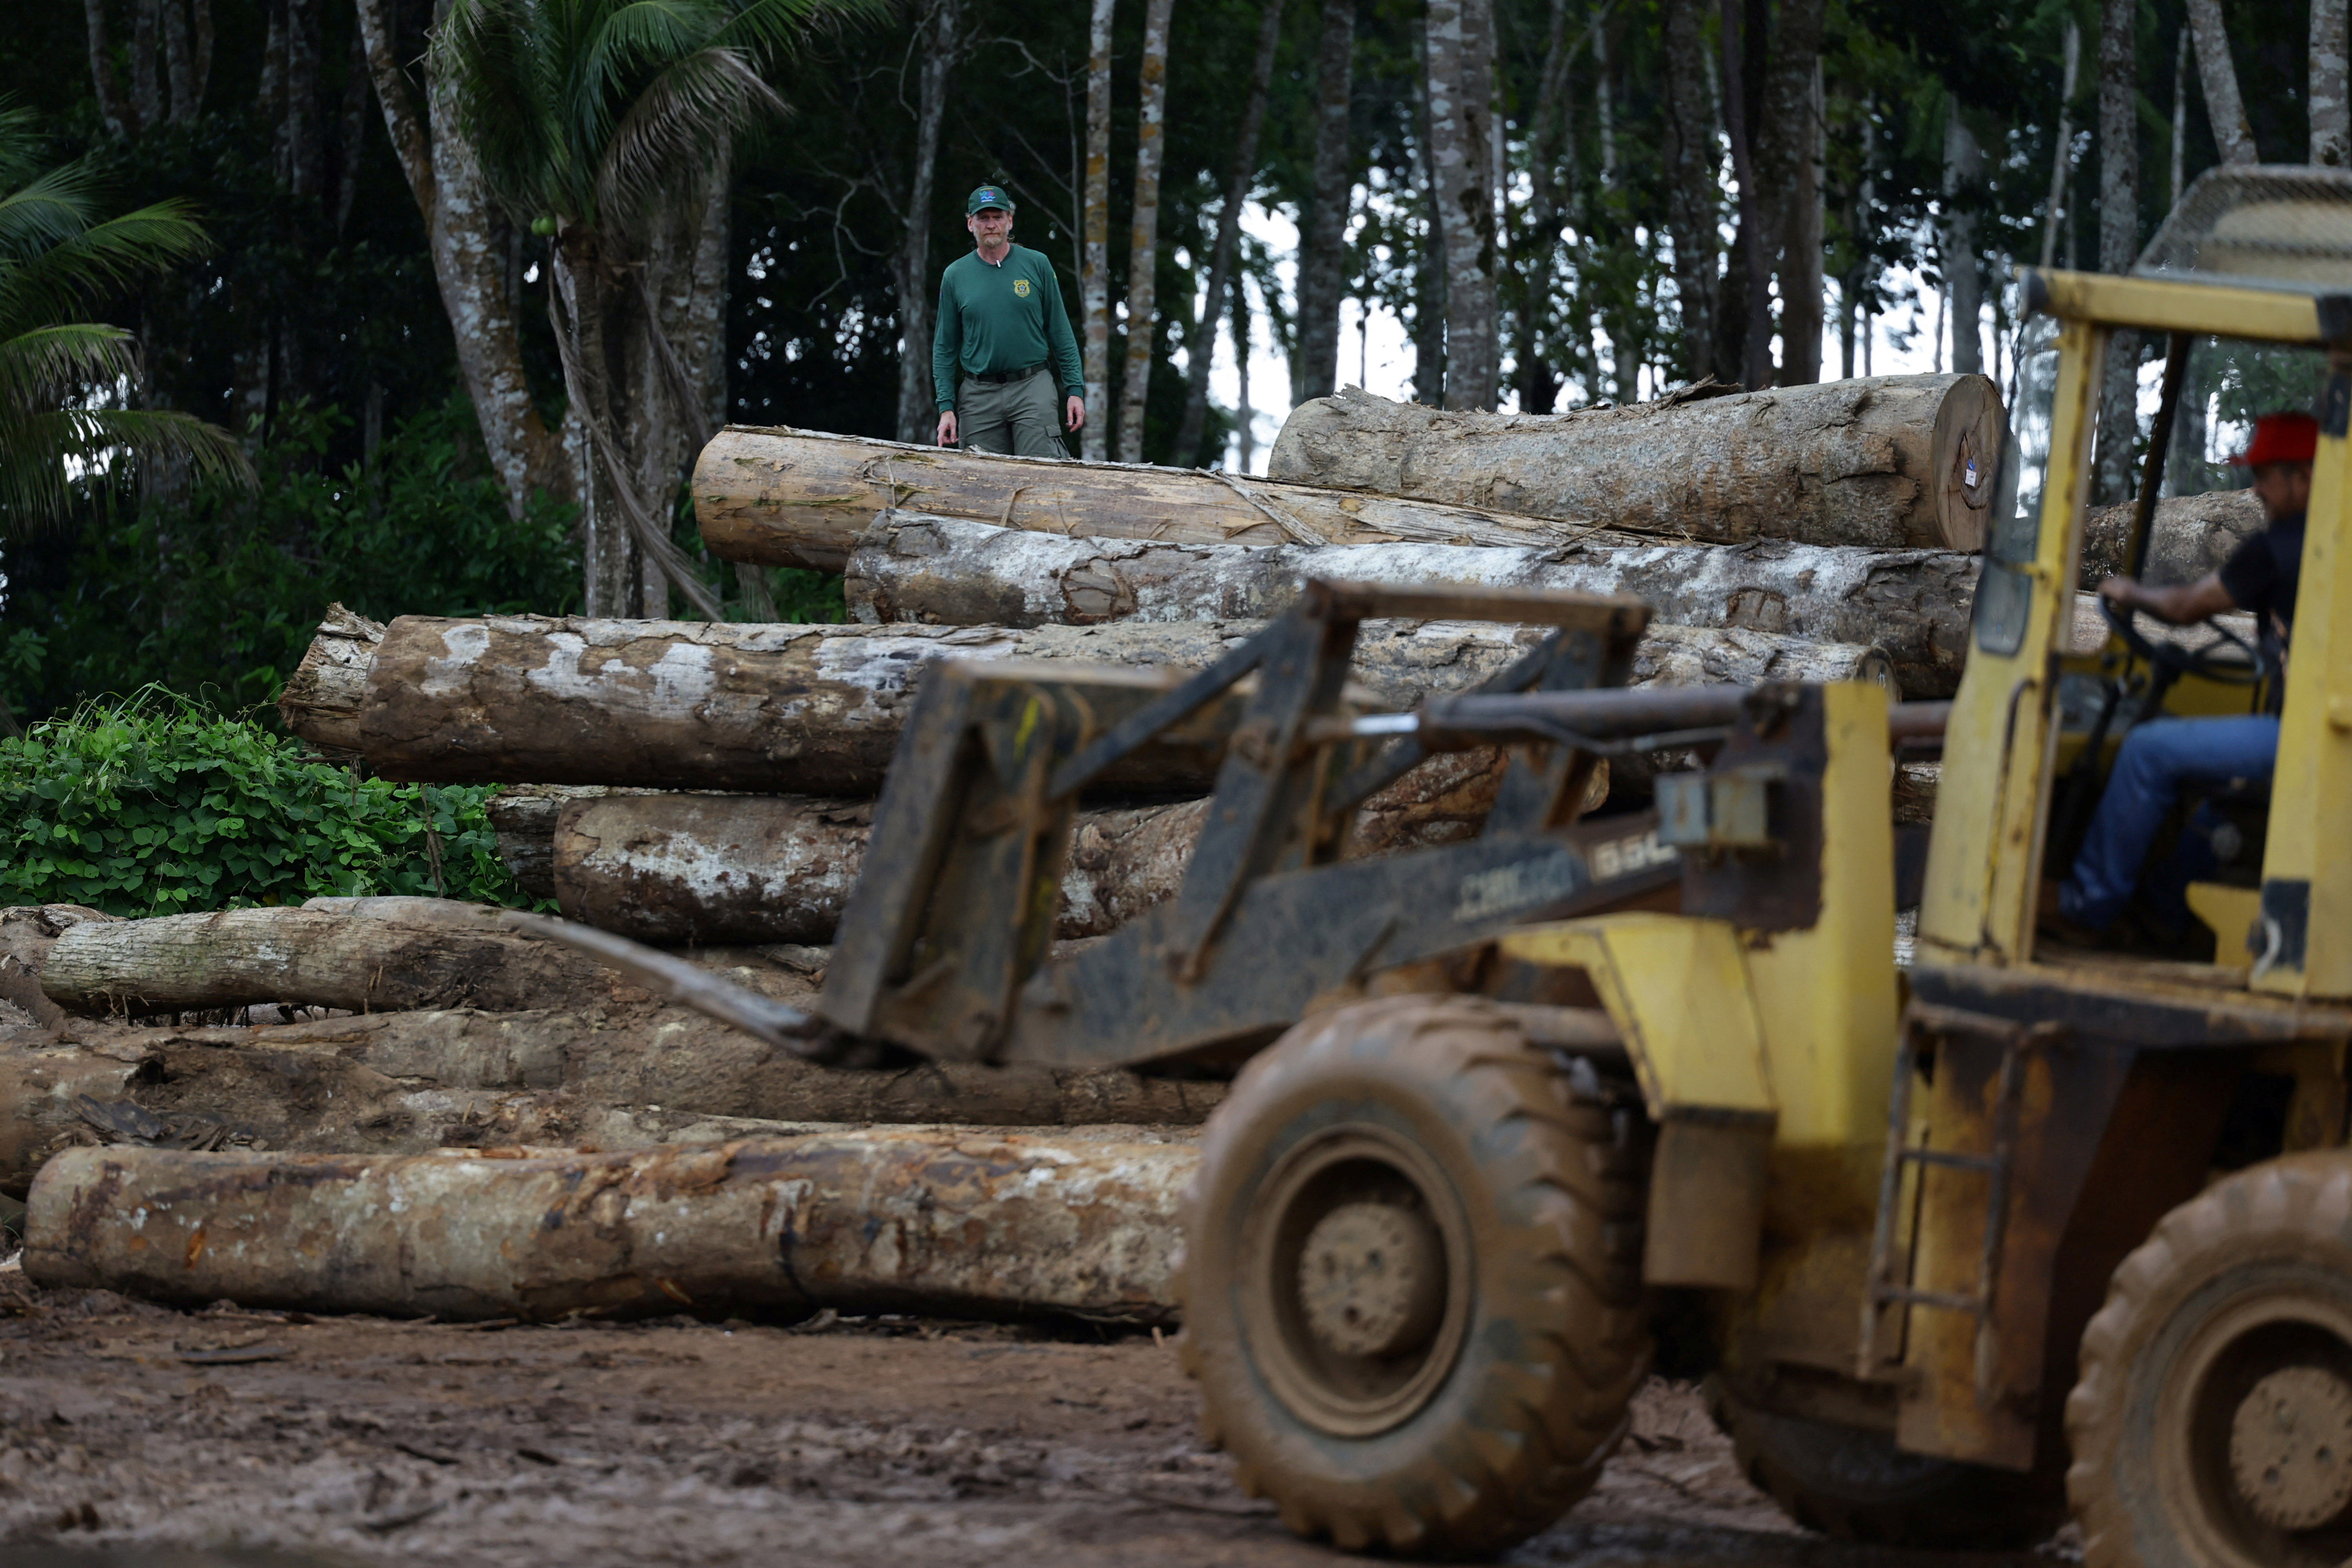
305 147
2062 157
1323 247
1200 353
318 958
1093 280
1540 373
769 708
179 64
2119 237
108 87
787 497
1963 184
999 1224
2224 110
146 96
2331 114
1789 185
1429 270
1754 235
2192 536
1460 40
1914 604
910 268
1143 238
1693 196
1895 462
466 237
1244 415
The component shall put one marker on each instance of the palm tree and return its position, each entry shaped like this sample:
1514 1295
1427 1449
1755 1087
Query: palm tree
606 125
62 380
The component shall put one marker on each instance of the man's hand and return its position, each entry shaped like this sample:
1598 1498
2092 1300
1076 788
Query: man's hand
947 427
1073 414
2182 605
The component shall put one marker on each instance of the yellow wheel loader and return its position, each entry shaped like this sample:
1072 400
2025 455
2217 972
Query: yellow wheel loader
1972 1241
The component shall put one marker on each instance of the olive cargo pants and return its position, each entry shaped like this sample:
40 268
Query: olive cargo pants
1023 418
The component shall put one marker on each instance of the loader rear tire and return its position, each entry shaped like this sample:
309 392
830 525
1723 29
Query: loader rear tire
2212 1425
1413 1293
1857 1485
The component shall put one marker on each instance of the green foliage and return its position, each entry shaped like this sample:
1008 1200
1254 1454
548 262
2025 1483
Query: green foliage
156 805
220 594
57 374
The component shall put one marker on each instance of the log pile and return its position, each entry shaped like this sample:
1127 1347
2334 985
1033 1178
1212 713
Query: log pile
710 787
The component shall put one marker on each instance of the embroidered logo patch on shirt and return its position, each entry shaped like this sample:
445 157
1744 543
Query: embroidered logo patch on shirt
1021 287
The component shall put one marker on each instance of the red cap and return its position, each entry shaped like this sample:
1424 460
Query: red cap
2280 438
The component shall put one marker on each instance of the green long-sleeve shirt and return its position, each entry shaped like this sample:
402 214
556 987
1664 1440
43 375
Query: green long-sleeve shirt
1002 318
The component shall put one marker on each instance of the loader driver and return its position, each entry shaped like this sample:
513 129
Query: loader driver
2161 756
1003 342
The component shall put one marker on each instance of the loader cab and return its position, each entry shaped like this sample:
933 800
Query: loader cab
2249 288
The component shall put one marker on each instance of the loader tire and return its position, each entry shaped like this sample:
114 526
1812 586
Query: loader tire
1857 1485
2212 1426
1412 1292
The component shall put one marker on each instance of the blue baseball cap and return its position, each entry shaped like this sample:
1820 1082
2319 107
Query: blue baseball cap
986 196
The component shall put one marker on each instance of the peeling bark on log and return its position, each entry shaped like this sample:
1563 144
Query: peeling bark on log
774 709
973 1224
1885 462
2192 536
684 869
317 957
1915 604
324 697
801 497
407 1082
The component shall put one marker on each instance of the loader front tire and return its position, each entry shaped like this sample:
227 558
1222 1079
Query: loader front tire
1413 1293
1857 1485
2212 1426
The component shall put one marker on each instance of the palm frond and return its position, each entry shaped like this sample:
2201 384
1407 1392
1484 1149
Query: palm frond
106 255
660 149
774 27
48 205
47 365
34 448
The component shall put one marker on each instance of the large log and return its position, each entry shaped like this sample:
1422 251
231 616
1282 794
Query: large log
817 710
801 497
406 1082
394 959
1891 462
691 869
970 1224
1915 604
2191 535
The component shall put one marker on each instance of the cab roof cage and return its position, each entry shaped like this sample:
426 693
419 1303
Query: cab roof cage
2268 226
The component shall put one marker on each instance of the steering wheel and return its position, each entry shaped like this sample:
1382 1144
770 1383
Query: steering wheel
2207 662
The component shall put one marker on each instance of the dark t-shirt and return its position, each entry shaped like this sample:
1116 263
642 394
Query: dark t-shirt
2261 575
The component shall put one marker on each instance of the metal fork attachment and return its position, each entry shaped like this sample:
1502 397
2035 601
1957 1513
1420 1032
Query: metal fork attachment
943 947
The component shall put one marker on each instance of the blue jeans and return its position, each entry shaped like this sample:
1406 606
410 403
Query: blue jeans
2156 759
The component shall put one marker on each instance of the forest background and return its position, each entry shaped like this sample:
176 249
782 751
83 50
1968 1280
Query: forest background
1558 202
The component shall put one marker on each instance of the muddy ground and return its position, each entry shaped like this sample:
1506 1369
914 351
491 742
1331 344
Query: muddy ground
131 1433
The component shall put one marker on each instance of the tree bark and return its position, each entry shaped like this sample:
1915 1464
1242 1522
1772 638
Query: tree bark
466 236
1754 225
2216 71
318 958
1460 42
2331 113
1323 247
910 268
1143 238
146 96
1201 352
1093 280
1539 372
790 498
771 708
1914 604
179 64
305 147
997 1224
1692 193
2119 237
2192 536
1963 182
1885 462
2062 157
1428 268
102 79
1787 184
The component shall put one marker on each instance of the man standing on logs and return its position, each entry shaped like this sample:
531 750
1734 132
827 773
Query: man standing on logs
1001 320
